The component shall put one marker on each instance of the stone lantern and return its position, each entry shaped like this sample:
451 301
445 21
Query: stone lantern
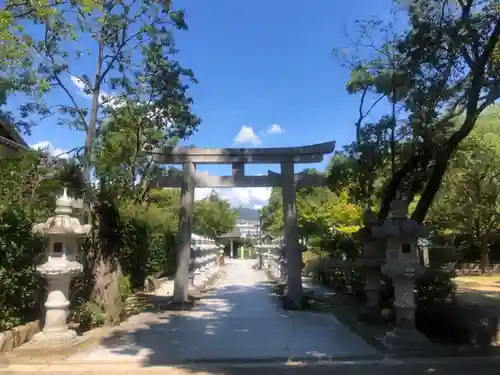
370 262
62 232
403 267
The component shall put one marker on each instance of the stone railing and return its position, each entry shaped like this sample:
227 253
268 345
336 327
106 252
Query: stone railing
270 257
474 268
205 259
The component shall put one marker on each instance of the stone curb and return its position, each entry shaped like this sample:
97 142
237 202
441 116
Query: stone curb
90 338
45 356
130 367
17 336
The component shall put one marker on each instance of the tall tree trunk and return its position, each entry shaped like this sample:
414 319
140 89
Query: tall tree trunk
107 271
397 178
484 257
89 137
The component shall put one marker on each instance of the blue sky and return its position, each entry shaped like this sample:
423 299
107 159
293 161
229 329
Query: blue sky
260 65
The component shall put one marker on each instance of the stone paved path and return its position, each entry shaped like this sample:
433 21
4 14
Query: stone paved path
238 320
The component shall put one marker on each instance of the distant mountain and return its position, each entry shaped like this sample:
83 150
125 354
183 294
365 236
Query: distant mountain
248 213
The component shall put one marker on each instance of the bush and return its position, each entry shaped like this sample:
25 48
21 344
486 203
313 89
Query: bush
125 287
145 251
441 318
90 315
135 251
20 293
451 323
339 275
341 246
437 315
435 286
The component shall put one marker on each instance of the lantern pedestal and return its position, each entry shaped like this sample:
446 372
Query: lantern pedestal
404 336
58 273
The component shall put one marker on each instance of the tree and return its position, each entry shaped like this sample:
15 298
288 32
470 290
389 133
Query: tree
119 153
441 69
469 202
132 54
138 99
272 213
16 18
319 212
213 216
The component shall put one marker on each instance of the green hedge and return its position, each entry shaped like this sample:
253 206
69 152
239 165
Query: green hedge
20 291
146 249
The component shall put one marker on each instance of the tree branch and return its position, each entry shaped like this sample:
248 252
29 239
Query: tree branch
472 112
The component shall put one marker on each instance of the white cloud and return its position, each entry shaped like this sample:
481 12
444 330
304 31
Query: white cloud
247 135
82 86
109 99
275 129
246 197
48 147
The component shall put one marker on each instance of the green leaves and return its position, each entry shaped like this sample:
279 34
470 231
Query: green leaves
178 18
437 75
213 216
19 283
136 66
469 202
319 212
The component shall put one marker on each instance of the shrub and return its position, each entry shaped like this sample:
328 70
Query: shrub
90 315
337 274
135 251
435 286
20 293
125 287
341 246
146 241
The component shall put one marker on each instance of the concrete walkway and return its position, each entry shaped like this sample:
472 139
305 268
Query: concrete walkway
239 320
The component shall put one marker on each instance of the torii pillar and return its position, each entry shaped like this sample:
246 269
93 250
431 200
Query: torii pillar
292 247
181 280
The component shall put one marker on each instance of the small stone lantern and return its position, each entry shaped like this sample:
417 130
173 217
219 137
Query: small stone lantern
62 232
370 262
403 267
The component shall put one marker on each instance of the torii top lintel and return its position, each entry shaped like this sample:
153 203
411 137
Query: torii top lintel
271 155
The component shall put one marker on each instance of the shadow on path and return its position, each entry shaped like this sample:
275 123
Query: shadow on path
240 321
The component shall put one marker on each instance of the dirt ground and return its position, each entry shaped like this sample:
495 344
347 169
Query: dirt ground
479 290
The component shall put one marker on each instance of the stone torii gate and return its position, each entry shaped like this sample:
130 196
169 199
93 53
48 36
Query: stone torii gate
238 157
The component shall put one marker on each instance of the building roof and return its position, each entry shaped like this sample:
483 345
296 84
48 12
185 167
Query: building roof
9 136
235 233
